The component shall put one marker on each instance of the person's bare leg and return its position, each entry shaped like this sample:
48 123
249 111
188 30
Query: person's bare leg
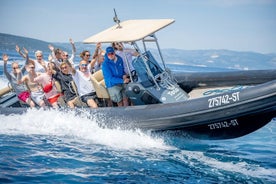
71 103
125 102
42 103
91 103
30 102
109 103
55 105
120 104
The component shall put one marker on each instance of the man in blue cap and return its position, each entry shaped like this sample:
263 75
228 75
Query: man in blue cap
115 77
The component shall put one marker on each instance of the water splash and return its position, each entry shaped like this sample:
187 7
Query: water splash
67 124
3 81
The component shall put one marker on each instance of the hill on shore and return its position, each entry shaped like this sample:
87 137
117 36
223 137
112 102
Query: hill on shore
205 58
8 43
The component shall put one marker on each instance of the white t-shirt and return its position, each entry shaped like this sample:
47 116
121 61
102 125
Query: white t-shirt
83 83
39 67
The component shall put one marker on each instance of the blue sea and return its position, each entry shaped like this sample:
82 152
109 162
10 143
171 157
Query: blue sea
59 147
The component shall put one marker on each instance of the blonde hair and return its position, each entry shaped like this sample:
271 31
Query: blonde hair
65 63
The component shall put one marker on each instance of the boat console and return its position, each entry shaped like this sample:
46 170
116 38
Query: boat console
154 84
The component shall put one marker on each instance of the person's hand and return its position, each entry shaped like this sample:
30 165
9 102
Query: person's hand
17 48
26 51
71 41
50 58
121 44
51 47
18 70
5 58
98 45
126 80
73 45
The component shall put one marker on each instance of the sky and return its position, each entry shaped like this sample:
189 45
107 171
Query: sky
240 25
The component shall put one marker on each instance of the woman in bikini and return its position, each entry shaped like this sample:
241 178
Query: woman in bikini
48 83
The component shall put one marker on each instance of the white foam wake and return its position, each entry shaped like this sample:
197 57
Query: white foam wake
67 124
197 159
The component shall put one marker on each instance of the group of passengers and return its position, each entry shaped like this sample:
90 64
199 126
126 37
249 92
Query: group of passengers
38 86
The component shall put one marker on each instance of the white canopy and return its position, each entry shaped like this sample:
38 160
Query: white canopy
131 30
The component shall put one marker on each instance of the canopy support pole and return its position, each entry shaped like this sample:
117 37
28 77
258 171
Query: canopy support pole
159 50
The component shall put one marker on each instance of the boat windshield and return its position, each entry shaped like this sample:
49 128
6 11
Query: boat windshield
141 69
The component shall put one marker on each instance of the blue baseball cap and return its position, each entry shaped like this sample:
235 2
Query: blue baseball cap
109 50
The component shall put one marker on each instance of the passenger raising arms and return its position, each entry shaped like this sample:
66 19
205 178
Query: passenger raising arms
86 90
20 89
97 59
56 55
40 63
65 55
37 93
65 79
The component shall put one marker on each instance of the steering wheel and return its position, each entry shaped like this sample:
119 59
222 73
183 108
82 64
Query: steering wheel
158 77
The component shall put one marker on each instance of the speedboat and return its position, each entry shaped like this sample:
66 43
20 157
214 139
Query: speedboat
217 105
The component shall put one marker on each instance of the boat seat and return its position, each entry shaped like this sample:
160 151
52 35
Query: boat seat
99 84
5 90
78 101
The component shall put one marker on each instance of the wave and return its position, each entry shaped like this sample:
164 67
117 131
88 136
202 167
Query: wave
238 167
67 124
63 135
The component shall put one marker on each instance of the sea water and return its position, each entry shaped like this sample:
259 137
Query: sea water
59 147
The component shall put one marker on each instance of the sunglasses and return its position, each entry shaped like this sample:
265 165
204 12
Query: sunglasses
84 65
87 55
110 54
15 68
63 68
